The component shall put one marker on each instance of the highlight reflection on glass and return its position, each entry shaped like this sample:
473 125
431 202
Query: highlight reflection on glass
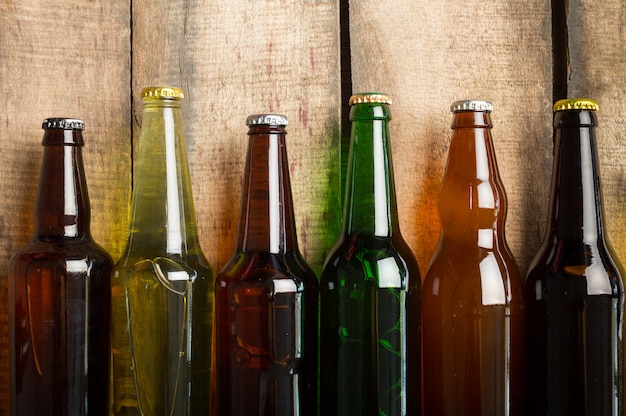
574 286
473 303
266 295
370 285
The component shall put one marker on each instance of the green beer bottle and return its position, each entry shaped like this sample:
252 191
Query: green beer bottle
162 287
370 285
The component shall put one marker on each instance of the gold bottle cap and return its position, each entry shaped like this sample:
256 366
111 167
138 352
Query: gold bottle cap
471 105
575 104
266 120
163 92
370 97
63 123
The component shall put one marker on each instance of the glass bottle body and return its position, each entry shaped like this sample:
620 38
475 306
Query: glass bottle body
59 296
574 288
266 297
162 285
370 289
472 304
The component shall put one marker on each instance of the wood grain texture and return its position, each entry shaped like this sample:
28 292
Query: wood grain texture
235 58
429 54
62 59
597 47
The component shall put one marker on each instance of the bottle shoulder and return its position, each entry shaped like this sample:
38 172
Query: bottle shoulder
474 274
597 269
80 261
558 253
62 249
348 246
382 262
191 266
470 248
136 250
264 268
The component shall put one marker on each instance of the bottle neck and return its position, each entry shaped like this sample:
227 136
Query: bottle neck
162 213
575 201
370 202
266 220
62 206
472 201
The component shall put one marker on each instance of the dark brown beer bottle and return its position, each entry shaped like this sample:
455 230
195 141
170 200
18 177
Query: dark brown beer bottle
59 292
266 296
473 295
370 286
574 290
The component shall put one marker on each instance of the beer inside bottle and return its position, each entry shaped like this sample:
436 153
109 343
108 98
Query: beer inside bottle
59 292
266 296
370 285
574 288
162 286
473 296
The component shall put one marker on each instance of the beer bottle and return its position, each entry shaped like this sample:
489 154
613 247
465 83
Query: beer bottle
162 286
370 285
574 288
59 292
473 294
266 295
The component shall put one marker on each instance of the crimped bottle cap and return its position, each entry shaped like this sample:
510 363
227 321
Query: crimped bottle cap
266 120
163 92
471 105
370 97
575 104
63 123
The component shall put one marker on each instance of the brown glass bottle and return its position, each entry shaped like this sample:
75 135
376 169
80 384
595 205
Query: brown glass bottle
574 288
59 293
266 296
472 301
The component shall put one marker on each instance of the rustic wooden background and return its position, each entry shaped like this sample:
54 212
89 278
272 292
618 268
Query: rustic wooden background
303 58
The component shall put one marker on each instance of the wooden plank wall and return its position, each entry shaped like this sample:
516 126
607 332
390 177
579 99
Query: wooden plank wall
597 49
235 57
427 55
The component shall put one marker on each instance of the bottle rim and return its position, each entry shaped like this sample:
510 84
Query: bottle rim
172 93
267 119
63 123
471 105
370 97
575 104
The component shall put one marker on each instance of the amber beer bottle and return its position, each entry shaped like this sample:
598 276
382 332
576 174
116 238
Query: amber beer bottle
59 292
162 286
370 285
574 288
473 294
266 296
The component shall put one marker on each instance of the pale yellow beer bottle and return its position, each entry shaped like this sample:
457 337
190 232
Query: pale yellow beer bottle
162 286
